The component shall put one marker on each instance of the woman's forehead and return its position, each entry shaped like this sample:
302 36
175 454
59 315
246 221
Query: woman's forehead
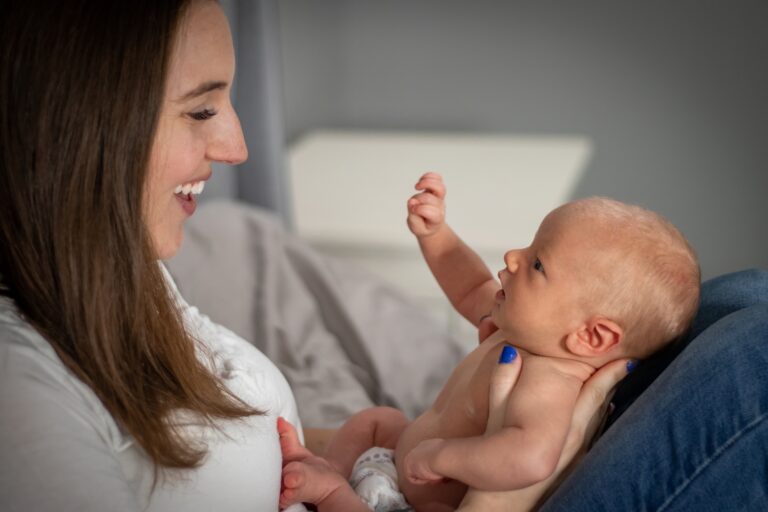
203 51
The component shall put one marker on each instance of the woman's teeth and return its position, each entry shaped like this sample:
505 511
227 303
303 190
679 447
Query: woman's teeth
190 188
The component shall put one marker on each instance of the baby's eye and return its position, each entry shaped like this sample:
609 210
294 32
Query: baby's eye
538 266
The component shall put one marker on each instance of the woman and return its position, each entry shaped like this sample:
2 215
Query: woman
114 394
107 108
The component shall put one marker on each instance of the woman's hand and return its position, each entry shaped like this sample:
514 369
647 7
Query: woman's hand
588 415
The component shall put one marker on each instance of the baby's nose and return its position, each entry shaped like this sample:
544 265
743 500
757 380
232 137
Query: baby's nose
510 260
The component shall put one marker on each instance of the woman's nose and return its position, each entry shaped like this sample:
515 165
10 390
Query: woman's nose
228 146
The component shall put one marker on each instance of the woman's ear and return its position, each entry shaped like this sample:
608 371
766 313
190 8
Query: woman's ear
595 338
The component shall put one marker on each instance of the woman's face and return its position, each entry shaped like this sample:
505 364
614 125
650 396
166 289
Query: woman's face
197 124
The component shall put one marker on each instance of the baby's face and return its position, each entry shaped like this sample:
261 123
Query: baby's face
543 294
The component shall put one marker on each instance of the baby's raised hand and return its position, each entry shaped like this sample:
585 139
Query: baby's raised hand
426 210
417 463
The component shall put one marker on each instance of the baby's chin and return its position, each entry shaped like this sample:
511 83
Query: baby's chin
511 335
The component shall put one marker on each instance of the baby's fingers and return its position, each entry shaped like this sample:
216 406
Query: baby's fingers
432 182
430 214
426 198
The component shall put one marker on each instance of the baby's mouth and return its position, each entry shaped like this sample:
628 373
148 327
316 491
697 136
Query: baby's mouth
500 296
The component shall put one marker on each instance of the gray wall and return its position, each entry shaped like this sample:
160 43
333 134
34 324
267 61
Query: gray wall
257 96
672 94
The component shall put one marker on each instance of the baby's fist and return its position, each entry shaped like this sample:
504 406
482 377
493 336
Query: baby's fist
426 210
418 463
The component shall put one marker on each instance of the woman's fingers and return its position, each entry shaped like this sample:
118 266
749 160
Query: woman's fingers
588 413
592 405
290 446
503 379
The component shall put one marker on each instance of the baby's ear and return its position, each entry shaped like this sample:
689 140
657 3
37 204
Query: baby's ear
595 337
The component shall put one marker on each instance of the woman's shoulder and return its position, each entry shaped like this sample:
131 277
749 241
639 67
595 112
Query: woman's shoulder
21 346
35 383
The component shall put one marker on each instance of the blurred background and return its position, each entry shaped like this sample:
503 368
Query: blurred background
522 105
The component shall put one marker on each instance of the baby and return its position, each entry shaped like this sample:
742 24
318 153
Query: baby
601 281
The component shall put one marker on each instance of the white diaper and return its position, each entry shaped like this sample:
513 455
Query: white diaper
374 479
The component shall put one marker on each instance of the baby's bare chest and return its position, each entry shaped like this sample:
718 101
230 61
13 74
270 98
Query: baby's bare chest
463 401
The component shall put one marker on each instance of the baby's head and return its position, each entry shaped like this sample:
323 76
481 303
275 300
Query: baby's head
602 280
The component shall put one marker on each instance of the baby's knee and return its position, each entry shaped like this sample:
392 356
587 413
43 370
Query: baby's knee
383 424
386 415
376 415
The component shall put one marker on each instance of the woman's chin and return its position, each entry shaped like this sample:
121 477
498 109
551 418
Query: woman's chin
169 245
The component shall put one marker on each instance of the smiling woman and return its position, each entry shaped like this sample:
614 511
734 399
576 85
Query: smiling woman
197 124
111 114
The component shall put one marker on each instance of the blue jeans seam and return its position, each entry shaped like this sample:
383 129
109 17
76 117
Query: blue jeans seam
732 440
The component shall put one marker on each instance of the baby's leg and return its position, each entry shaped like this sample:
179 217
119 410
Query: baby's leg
310 479
378 426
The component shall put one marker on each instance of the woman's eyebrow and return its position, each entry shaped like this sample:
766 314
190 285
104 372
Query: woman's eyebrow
202 89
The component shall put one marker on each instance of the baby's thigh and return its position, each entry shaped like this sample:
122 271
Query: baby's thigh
378 426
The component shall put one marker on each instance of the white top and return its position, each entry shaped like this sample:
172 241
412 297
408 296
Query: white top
61 450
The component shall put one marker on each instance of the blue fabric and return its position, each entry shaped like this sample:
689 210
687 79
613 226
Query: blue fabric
697 437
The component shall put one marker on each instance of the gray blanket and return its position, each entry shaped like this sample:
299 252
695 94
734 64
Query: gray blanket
344 339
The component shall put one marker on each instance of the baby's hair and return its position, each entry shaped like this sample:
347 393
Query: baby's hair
649 277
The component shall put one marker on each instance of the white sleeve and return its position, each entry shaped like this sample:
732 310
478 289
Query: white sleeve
53 456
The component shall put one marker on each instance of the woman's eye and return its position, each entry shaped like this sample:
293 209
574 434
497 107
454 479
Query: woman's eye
203 114
538 266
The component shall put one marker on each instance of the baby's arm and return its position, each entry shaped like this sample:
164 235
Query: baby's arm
462 275
523 452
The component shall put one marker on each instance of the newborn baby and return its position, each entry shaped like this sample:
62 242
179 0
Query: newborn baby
601 281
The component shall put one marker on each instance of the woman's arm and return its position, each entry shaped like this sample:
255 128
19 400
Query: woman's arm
55 449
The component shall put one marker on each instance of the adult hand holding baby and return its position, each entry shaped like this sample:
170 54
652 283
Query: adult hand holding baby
418 462
589 413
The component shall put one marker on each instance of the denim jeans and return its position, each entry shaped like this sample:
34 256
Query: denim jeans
689 431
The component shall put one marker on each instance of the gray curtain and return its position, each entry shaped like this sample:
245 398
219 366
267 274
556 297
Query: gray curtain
257 95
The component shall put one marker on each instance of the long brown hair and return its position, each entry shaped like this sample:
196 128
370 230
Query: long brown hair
81 87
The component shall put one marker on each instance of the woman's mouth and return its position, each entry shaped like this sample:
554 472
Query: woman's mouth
193 187
500 296
187 202
185 195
